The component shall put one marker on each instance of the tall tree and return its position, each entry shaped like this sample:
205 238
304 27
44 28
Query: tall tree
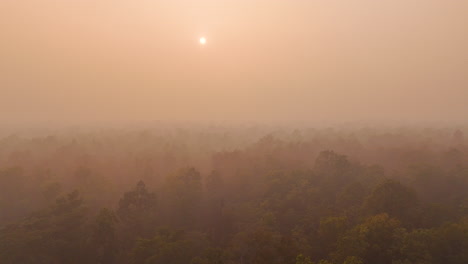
184 192
138 212
104 237
377 240
395 199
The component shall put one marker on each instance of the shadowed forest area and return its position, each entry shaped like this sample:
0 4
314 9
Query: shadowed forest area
247 195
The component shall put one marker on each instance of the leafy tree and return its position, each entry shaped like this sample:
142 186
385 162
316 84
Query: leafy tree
104 237
301 259
54 235
331 229
353 195
137 206
184 192
353 260
167 247
332 165
138 214
394 199
417 246
259 246
451 243
434 215
12 189
216 222
210 256
377 240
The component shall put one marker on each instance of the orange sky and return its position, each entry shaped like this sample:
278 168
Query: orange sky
265 60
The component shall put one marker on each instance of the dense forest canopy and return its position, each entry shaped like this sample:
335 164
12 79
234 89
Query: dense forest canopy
247 195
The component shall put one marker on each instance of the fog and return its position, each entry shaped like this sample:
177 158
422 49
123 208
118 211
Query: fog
68 61
233 131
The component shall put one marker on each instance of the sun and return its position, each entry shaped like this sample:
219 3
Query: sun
202 40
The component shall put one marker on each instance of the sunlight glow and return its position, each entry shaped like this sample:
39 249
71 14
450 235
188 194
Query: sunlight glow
202 40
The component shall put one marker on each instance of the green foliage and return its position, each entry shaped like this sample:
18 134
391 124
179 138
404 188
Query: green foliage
55 235
377 240
393 198
275 201
301 259
104 236
136 204
417 246
12 184
184 191
260 245
138 212
451 243
353 260
331 229
210 256
332 164
167 246
352 196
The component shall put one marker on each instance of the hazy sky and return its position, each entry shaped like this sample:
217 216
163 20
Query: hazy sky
265 60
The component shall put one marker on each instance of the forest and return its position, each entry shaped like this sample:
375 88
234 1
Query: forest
235 195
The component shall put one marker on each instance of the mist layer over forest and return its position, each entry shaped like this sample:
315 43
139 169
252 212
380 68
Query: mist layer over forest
233 132
246 194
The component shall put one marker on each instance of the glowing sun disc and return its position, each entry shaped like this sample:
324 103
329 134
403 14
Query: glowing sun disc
202 41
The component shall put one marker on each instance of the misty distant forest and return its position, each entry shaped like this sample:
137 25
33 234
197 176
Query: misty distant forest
244 195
